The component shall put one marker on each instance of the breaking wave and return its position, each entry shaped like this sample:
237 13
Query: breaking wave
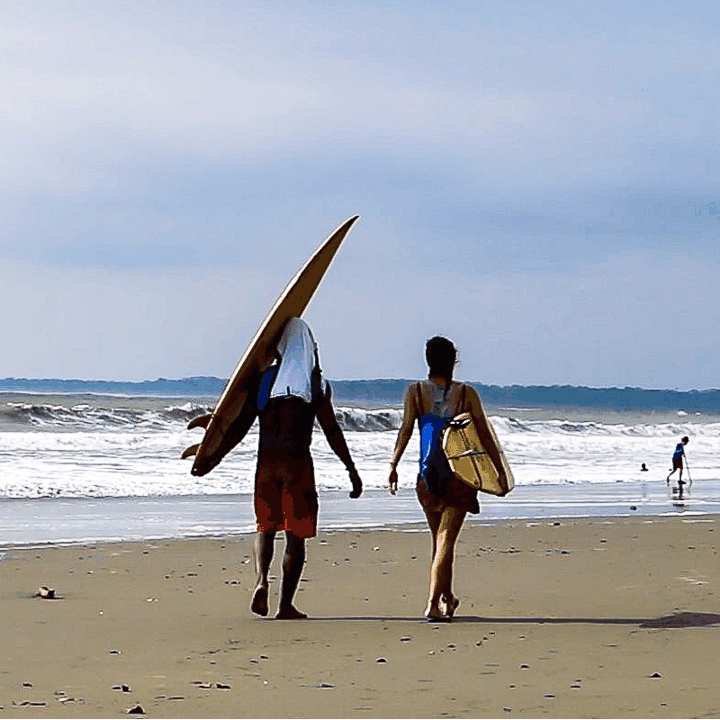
112 446
21 416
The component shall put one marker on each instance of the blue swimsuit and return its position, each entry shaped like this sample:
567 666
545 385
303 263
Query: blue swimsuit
452 492
432 424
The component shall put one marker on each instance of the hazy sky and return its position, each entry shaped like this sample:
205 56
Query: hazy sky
534 180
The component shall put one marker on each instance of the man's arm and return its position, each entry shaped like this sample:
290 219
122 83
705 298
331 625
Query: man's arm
336 440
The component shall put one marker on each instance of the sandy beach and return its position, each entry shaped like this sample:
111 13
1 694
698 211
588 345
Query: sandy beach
566 618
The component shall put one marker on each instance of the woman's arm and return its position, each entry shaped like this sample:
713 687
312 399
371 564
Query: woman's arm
405 432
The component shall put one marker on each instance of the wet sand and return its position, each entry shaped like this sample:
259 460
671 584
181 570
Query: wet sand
571 618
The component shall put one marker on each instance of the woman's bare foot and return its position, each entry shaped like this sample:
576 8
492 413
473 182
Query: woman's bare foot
290 612
259 603
449 605
434 614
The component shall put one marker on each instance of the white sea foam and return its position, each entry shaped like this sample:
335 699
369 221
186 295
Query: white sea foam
125 447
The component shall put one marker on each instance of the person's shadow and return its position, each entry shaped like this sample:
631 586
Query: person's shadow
678 620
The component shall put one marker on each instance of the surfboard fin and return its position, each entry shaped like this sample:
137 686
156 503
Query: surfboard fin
200 421
192 450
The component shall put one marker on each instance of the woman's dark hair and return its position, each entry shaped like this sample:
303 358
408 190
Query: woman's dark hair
441 356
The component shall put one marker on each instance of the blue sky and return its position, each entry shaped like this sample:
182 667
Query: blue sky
534 180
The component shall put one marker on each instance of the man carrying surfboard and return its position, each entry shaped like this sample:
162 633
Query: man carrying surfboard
290 395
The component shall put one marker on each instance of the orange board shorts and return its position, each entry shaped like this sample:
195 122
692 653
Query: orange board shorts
285 496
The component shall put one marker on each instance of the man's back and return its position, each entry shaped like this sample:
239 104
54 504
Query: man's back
286 426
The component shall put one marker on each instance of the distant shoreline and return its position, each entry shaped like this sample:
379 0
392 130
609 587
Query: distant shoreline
390 392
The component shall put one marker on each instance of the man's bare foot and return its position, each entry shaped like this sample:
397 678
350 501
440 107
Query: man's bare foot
259 603
289 612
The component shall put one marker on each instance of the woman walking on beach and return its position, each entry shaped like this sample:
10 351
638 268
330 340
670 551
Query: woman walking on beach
444 498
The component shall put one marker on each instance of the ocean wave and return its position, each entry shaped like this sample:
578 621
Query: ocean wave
161 417
368 420
513 426
29 416
20 416
145 462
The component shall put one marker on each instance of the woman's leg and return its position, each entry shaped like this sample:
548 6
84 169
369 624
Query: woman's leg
441 571
434 517
433 521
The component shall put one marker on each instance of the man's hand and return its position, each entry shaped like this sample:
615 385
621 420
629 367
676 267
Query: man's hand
393 481
356 492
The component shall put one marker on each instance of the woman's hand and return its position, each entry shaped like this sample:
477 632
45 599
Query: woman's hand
393 481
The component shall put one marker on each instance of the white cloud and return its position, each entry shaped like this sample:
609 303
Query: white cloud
513 155
83 94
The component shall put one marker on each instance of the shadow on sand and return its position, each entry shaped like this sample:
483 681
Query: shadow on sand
679 620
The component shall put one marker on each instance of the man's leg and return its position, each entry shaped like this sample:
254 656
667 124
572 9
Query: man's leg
265 547
300 511
293 563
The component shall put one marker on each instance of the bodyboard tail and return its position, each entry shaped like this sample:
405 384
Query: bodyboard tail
470 461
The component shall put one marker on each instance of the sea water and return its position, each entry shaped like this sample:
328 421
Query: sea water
94 467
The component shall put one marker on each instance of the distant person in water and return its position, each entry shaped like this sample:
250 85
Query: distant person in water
643 468
445 501
291 394
677 461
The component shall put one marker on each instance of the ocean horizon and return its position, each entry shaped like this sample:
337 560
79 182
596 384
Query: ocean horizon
389 391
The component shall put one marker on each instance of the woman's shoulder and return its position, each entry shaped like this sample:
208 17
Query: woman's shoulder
414 387
458 389
469 390
469 397
412 391
429 386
